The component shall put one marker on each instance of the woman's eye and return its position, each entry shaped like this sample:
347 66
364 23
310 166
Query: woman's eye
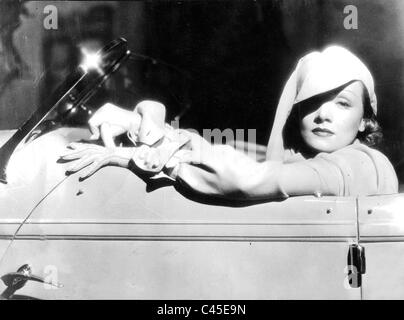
343 103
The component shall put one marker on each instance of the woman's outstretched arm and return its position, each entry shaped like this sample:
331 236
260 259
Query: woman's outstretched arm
221 170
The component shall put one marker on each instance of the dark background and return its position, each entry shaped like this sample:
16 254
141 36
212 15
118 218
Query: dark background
225 62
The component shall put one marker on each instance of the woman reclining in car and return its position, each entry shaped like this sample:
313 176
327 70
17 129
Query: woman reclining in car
320 144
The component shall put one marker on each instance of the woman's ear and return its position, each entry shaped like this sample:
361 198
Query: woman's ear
362 125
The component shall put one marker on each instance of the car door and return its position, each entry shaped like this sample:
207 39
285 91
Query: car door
32 173
113 236
381 233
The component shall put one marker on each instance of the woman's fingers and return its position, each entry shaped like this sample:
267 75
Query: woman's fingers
152 160
107 136
118 119
82 146
141 155
96 120
74 146
141 152
86 155
147 158
91 169
150 132
95 131
74 155
82 163
79 150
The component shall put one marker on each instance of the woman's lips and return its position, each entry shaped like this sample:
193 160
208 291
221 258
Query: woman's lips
322 132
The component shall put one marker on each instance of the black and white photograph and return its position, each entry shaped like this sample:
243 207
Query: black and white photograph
202 151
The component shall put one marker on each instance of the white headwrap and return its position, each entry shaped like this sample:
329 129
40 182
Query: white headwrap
316 73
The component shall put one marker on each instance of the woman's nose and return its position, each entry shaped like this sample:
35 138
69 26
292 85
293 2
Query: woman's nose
324 113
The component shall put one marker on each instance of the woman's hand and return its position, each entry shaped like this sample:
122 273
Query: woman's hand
110 121
152 126
148 159
145 124
89 158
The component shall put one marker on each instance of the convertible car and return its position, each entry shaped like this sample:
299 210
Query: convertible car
117 235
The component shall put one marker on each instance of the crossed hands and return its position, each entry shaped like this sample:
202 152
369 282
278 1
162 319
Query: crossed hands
145 124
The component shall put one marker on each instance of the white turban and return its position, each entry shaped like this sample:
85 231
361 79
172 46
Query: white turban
317 73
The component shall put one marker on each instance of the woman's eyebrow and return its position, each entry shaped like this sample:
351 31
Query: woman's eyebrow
348 91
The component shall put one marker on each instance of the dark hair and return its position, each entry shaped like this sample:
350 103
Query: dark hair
372 136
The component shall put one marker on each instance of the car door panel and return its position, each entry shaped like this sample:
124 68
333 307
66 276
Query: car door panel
96 269
114 236
381 231
108 237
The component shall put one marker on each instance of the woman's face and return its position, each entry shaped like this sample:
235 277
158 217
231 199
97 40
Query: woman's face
333 124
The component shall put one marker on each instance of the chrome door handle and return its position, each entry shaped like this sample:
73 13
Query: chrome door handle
16 280
356 265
